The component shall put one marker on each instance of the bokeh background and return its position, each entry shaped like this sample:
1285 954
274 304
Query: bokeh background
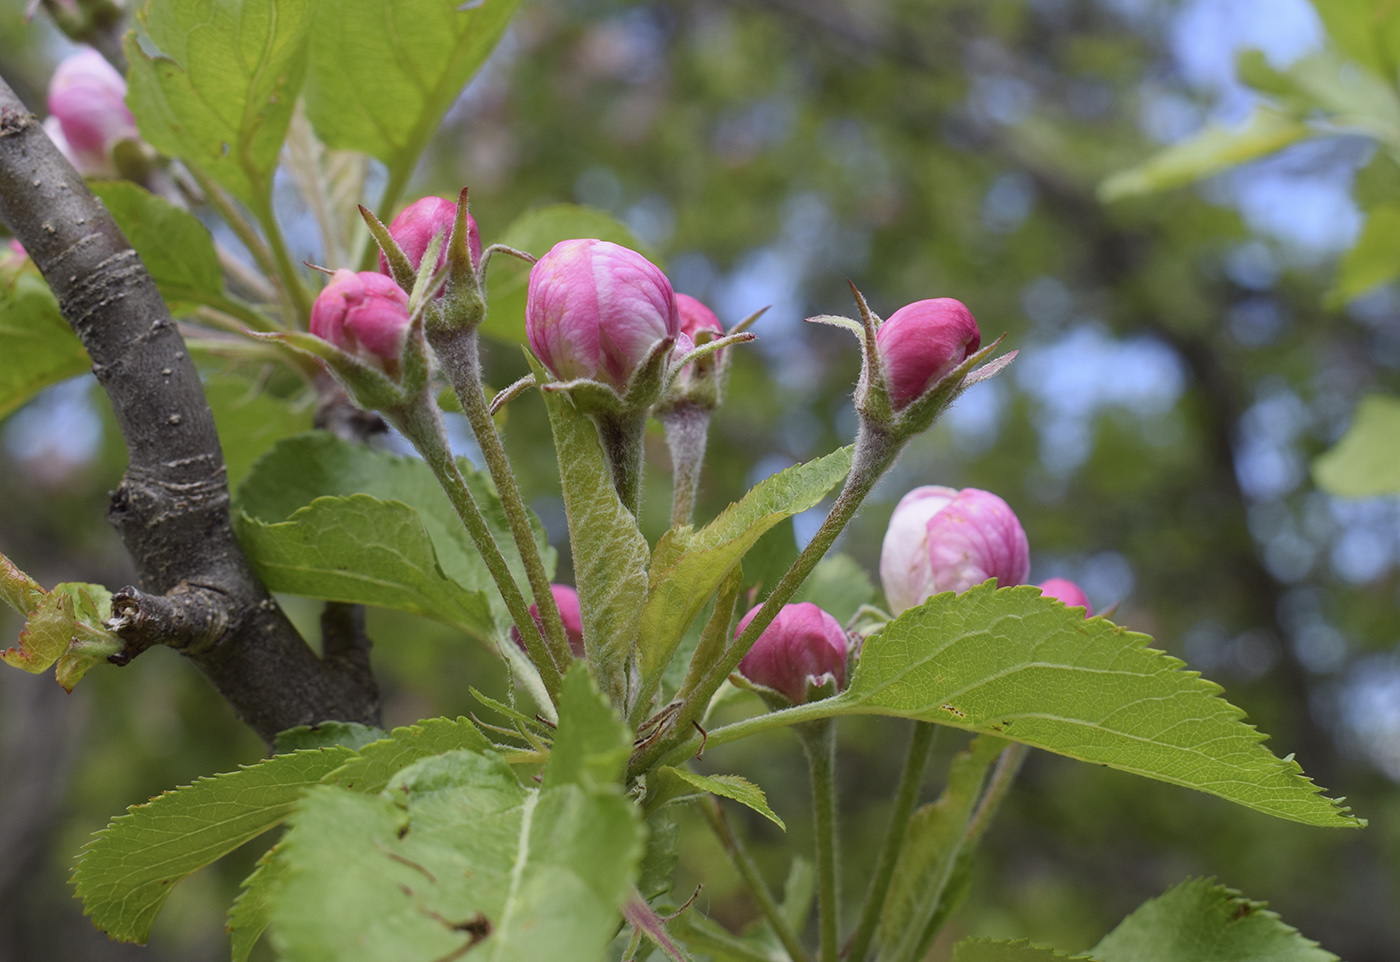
1178 372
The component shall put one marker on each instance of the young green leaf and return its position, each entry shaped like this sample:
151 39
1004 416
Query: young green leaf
1203 921
37 347
456 854
372 767
220 92
65 628
677 782
1015 664
351 735
383 74
988 950
175 247
610 554
591 745
1366 461
126 872
689 565
252 909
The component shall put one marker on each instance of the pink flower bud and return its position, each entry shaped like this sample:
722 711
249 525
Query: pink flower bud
696 317
942 539
595 310
88 98
365 314
566 599
1068 592
803 643
923 341
418 223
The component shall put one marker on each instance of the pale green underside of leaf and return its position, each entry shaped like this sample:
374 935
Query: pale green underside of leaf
383 72
128 869
988 950
1203 921
456 841
221 92
1366 461
610 555
37 347
176 248
688 565
733 787
535 232
1015 664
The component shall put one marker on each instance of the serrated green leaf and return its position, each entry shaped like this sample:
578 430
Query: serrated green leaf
372 767
220 93
688 565
383 74
1017 665
989 950
929 856
591 745
176 248
65 628
1209 152
252 909
316 464
1203 921
37 347
1366 461
839 585
351 735
250 421
456 853
734 787
128 869
610 554
1373 260
535 232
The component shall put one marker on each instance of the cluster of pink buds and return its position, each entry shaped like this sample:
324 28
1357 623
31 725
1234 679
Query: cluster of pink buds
88 115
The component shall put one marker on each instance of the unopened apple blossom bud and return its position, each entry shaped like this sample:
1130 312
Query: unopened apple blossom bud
364 314
87 104
1067 591
942 539
694 317
418 223
923 341
802 646
596 310
566 599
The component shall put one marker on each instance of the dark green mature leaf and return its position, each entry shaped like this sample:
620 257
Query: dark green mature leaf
1373 260
591 745
128 869
987 950
677 782
250 421
456 853
689 565
176 248
1015 664
1203 921
1366 461
929 855
37 347
220 93
610 554
383 73
535 232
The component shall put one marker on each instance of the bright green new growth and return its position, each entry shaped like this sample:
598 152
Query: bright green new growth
674 783
37 346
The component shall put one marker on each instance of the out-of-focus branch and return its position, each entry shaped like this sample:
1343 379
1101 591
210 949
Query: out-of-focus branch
197 592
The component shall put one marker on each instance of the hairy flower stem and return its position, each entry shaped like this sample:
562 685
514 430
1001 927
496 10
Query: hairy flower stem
457 352
622 438
819 743
875 452
920 739
421 422
748 870
687 427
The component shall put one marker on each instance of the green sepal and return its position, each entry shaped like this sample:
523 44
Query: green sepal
400 267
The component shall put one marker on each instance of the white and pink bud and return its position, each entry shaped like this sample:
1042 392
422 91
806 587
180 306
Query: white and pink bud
596 310
418 223
1067 591
921 343
88 112
566 600
364 314
942 539
798 650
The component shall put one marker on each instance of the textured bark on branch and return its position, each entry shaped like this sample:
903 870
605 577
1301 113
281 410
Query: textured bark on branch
197 592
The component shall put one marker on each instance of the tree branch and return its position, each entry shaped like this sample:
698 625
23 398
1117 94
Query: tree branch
197 592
